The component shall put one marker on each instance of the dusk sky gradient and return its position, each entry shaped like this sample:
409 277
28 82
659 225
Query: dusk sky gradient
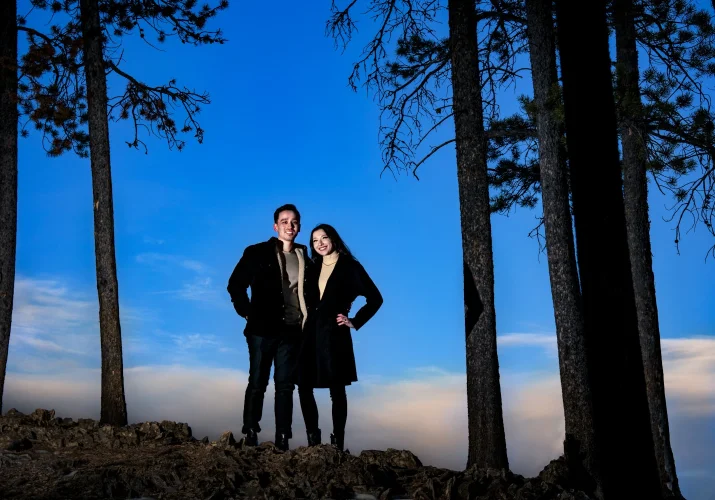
284 127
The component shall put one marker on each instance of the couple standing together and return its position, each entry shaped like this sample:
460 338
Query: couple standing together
297 319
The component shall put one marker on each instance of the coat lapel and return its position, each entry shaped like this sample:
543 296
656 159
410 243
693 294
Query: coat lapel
301 278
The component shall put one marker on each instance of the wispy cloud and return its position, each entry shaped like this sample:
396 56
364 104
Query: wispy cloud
45 345
228 350
39 304
546 340
198 287
54 322
153 241
194 341
689 367
48 317
161 260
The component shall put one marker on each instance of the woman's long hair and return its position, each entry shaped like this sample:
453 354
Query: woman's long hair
338 243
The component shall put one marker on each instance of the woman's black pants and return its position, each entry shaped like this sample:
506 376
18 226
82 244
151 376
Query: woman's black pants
310 409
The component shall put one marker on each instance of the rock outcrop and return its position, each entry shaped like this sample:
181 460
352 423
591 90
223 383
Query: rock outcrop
46 457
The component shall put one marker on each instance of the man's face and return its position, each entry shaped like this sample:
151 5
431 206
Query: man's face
288 226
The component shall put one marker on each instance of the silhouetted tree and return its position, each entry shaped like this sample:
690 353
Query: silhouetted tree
579 445
621 418
26 87
678 42
634 140
114 407
83 42
487 444
677 39
669 137
411 90
8 175
415 99
51 91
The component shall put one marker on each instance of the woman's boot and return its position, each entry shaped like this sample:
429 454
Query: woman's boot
337 439
314 438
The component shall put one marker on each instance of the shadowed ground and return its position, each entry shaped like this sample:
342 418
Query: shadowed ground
51 458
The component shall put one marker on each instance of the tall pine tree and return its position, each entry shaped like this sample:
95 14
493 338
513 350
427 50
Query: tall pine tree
81 45
114 407
579 445
32 83
487 444
634 139
621 418
411 92
8 175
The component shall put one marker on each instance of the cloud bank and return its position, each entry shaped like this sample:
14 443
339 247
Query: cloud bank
424 412
54 364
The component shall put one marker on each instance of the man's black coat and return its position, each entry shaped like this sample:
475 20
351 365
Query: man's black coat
260 268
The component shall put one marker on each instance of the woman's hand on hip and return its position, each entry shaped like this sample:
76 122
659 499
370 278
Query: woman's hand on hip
344 321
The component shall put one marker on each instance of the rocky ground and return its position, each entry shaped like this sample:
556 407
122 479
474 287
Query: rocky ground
45 457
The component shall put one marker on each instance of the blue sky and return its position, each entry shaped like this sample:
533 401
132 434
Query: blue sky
284 127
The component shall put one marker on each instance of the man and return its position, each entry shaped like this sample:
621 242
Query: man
275 270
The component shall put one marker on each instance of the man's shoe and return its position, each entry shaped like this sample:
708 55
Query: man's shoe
251 438
338 440
314 438
282 441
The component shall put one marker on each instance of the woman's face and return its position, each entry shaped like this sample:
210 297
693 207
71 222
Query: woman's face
321 243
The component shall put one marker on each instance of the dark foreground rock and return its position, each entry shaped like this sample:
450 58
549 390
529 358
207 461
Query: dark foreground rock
45 457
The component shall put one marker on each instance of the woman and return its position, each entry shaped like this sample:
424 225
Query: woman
327 359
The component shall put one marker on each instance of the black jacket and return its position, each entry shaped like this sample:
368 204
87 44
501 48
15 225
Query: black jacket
260 268
327 356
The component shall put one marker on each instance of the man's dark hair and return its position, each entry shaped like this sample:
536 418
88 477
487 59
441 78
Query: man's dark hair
283 208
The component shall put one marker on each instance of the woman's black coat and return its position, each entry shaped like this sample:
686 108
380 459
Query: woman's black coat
327 357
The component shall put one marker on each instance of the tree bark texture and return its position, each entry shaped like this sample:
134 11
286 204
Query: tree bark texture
487 443
635 183
114 408
8 175
579 444
621 416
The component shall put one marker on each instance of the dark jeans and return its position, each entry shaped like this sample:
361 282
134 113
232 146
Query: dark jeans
264 352
310 409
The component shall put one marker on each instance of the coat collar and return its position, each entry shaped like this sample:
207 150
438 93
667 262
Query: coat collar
279 244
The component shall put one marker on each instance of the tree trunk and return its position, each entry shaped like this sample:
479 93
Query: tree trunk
579 445
621 416
8 175
114 408
633 141
487 443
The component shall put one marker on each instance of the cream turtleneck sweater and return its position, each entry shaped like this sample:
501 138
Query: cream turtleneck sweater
326 269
